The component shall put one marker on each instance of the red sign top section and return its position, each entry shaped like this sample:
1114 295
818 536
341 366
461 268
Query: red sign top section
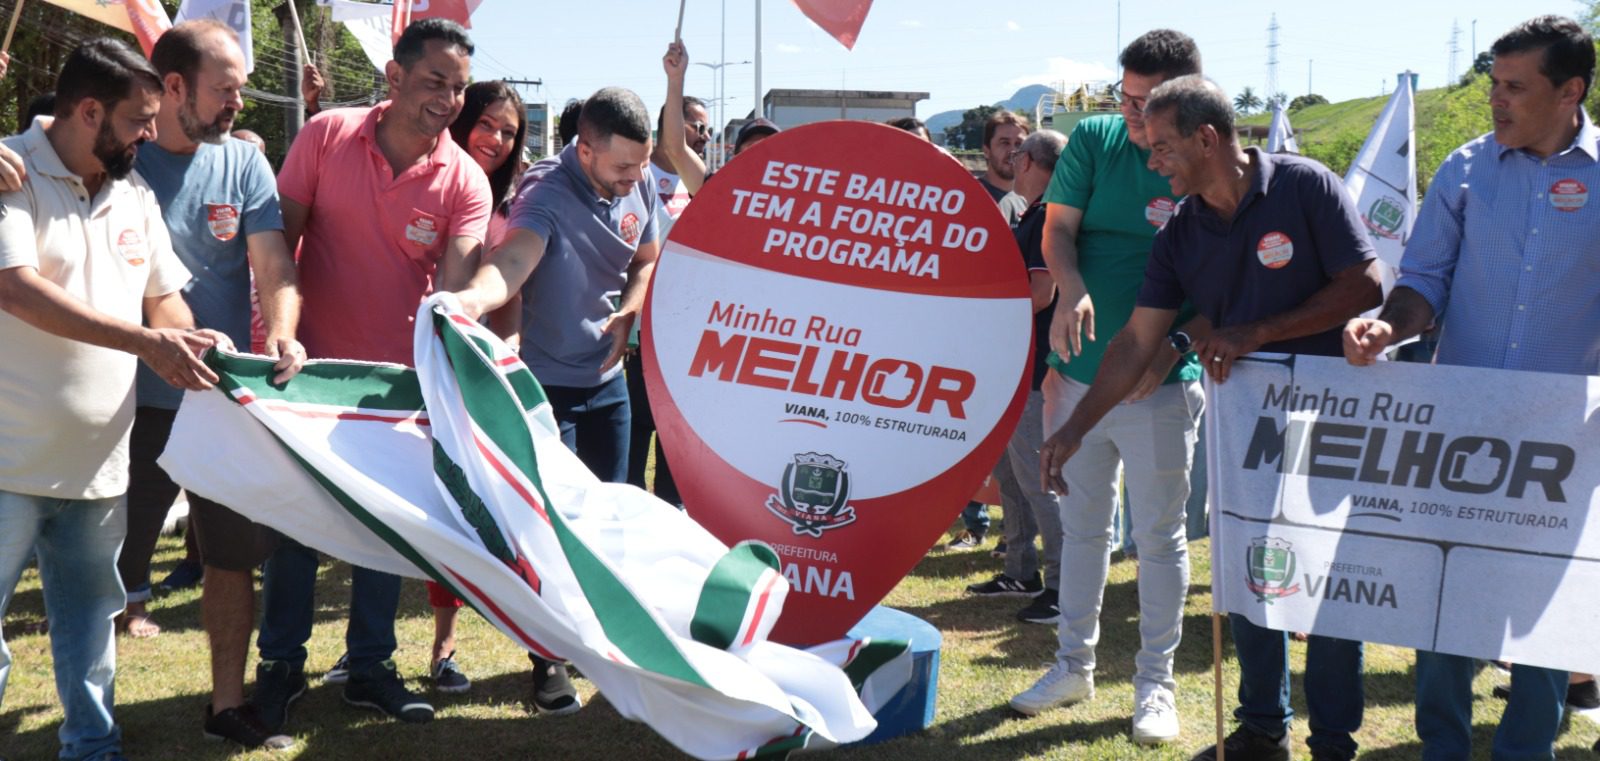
860 204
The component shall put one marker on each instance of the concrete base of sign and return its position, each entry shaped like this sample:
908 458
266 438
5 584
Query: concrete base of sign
911 709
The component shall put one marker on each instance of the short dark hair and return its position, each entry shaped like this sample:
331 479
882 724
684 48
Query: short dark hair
1196 102
1568 48
1165 53
104 69
613 111
689 101
910 124
182 47
478 97
1003 116
412 44
567 125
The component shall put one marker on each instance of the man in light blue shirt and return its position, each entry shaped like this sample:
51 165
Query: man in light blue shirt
1504 258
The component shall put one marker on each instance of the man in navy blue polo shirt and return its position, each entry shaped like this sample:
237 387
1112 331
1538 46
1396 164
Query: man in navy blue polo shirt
583 232
1271 253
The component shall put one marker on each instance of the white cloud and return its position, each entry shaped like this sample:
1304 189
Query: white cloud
784 47
1058 70
1012 26
911 23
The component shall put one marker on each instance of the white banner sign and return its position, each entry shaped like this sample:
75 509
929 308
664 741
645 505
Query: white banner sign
1440 508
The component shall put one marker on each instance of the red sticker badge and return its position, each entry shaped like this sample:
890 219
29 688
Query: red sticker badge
836 345
423 230
1275 250
630 229
1159 210
130 244
223 219
1569 195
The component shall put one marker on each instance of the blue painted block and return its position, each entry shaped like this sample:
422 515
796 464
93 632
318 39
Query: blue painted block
912 708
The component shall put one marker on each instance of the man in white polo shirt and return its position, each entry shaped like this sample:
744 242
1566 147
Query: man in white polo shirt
84 256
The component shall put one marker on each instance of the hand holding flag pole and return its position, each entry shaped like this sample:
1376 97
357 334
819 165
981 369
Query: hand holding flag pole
677 36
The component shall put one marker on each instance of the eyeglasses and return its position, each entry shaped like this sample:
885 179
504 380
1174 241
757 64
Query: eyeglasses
699 127
1136 101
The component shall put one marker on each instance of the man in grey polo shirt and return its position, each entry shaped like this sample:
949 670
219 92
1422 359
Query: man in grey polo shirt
580 234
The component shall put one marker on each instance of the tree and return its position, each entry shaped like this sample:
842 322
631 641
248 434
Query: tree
1310 99
969 133
1247 102
1277 101
1483 63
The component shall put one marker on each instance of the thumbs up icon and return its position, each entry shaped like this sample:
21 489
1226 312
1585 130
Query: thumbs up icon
1475 470
896 387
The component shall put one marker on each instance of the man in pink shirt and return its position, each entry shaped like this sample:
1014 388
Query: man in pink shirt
385 208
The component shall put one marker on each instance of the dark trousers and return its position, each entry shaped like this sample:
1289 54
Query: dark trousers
639 438
594 424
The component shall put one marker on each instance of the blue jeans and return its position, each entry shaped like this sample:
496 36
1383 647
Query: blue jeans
1444 710
1332 685
76 541
594 424
288 592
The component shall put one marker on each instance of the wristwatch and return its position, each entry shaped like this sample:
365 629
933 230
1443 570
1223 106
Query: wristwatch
1181 342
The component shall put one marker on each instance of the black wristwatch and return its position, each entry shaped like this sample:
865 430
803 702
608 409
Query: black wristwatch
1181 342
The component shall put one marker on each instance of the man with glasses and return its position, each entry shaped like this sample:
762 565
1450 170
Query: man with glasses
1103 209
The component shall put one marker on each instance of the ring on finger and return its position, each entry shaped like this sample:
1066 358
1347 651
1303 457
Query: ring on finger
1216 358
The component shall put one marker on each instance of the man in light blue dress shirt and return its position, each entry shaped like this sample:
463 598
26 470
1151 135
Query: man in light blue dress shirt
1505 257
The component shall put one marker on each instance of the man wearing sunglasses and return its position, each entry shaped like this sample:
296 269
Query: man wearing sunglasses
668 186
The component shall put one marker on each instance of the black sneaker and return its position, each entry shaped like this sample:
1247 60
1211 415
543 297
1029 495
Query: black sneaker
278 685
1583 695
1005 586
243 726
1327 754
1045 608
340 672
447 676
553 693
380 688
1245 745
185 574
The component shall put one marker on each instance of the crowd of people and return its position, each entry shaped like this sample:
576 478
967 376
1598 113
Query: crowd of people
139 231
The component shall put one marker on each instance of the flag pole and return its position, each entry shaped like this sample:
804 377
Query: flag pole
677 36
16 13
303 54
1216 679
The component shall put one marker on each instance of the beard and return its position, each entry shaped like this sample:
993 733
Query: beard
117 157
202 131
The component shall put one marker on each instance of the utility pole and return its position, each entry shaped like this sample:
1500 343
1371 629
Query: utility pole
1455 50
1272 61
757 111
1474 41
1311 66
289 22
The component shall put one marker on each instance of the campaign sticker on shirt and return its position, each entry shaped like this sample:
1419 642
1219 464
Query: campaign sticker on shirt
630 229
836 345
1275 250
1159 210
223 218
423 230
1569 195
664 184
130 244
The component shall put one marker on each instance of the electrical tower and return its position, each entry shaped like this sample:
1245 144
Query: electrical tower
1455 50
1272 61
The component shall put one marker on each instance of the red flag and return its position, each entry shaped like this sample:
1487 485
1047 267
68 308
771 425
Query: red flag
407 11
840 18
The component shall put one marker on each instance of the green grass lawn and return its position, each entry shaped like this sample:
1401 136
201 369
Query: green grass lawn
163 686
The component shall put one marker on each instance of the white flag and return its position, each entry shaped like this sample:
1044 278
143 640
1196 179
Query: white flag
1383 180
234 13
1280 138
370 24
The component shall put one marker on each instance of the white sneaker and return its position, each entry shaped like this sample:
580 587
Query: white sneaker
1059 686
1155 717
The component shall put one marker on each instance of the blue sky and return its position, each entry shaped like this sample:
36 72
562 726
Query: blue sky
969 53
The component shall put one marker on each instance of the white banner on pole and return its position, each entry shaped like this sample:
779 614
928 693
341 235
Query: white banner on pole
1440 508
234 13
1383 179
1280 137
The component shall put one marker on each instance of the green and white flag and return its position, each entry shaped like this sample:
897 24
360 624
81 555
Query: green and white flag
455 472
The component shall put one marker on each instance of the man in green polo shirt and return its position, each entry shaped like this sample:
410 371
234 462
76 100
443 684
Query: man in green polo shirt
1104 208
